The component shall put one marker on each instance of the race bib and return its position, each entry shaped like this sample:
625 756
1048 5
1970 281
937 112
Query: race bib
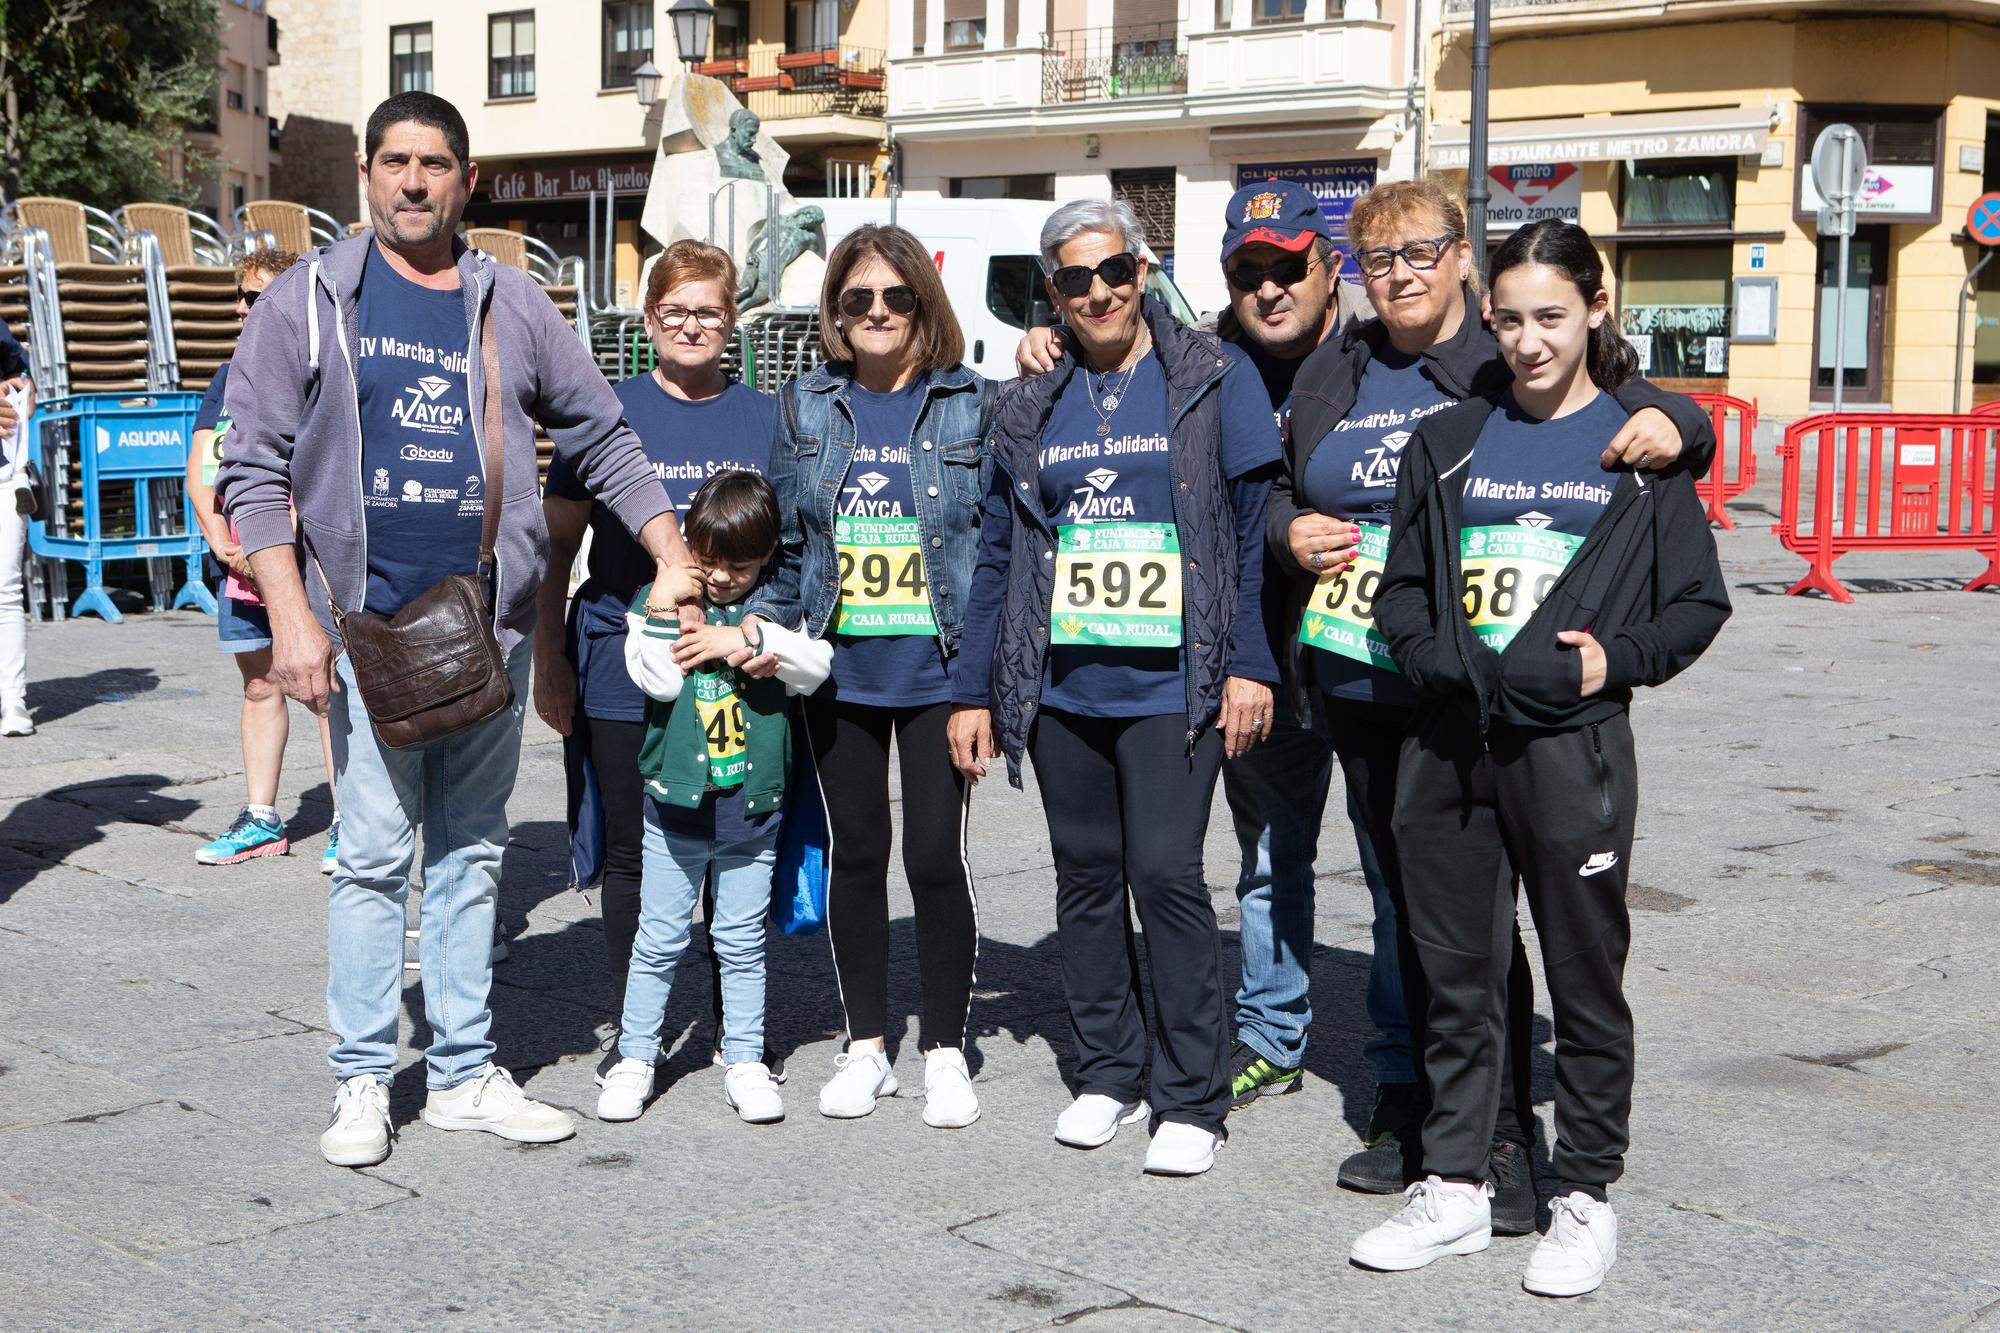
1508 571
1340 611
1118 585
883 591
721 714
211 462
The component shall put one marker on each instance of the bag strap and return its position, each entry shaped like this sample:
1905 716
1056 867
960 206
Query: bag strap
494 442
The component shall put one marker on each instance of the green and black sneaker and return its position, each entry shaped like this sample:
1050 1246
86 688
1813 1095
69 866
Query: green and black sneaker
1252 1076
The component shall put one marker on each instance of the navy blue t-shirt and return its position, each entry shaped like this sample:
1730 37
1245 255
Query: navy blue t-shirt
210 410
687 442
422 480
1352 475
885 670
1532 473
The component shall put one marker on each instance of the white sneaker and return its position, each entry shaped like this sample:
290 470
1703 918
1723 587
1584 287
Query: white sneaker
358 1134
1436 1219
492 1102
626 1089
752 1093
1093 1118
949 1101
1578 1251
14 721
859 1078
1181 1150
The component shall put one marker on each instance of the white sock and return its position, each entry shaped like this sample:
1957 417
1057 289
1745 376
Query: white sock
267 813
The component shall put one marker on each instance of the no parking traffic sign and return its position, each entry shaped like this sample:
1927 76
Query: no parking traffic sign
1982 220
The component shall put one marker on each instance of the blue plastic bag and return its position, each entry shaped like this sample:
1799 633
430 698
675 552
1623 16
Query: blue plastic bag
798 888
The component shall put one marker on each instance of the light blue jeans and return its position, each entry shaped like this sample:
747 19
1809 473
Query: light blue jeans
456 790
675 866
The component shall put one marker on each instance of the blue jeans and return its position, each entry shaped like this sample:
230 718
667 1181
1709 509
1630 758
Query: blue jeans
676 865
457 788
1276 795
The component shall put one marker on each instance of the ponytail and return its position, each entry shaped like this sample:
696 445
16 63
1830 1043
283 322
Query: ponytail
1568 249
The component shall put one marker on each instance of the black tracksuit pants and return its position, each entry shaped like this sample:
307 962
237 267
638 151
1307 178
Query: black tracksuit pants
1128 804
1560 806
1368 739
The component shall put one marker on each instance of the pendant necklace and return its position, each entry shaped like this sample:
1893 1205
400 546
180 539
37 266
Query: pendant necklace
1104 399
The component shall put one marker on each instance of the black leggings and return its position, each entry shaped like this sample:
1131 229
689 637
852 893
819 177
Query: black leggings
1128 804
851 744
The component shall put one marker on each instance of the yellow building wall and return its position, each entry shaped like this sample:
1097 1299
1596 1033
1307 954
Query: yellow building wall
1698 65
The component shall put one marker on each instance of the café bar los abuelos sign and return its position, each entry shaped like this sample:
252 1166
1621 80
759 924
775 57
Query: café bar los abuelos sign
550 181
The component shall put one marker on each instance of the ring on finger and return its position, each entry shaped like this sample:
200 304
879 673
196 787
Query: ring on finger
1317 559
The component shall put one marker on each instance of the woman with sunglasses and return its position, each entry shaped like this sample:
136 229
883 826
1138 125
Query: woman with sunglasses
879 468
1355 405
1116 632
693 421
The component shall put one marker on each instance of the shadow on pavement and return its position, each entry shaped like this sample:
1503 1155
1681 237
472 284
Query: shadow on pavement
55 826
53 700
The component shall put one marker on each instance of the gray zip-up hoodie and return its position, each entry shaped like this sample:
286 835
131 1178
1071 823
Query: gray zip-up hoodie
297 431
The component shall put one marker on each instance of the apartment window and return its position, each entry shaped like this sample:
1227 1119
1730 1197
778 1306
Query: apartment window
510 44
1004 187
731 39
964 34
232 86
1278 11
261 88
628 39
1150 191
1679 192
410 58
815 25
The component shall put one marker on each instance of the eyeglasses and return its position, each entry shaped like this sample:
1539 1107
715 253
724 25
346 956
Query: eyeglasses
248 298
676 316
858 301
1252 277
1074 279
1378 262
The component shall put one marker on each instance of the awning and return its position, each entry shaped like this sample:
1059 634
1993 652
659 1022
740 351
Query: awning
1718 132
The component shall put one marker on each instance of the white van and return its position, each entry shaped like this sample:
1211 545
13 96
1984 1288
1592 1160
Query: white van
988 252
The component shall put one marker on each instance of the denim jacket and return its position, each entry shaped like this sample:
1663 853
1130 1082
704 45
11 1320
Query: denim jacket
949 470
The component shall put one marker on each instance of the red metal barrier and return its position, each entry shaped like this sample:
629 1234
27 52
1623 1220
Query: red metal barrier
1889 482
1721 484
1987 409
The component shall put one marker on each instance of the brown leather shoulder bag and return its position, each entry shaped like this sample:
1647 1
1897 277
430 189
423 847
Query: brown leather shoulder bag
435 668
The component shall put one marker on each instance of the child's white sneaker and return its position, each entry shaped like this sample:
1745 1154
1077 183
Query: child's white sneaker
949 1101
751 1091
1436 1219
626 1089
859 1078
1579 1250
1091 1120
1181 1150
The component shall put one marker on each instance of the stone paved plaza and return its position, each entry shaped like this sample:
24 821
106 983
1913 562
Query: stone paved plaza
1813 973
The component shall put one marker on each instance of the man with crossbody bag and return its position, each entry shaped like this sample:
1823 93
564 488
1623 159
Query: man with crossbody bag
390 383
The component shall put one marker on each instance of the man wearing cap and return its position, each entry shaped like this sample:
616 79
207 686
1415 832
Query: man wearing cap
1283 266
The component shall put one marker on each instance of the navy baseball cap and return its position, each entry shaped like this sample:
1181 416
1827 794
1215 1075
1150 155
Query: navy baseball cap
1273 212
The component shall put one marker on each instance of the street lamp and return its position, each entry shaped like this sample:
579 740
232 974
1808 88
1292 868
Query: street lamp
646 83
692 19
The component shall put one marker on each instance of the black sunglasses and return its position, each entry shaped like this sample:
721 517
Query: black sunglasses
247 298
858 301
1074 279
1251 277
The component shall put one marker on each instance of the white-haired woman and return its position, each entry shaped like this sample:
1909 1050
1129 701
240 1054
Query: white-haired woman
1114 634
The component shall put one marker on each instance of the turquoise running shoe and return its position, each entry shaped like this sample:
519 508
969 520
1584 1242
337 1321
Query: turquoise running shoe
329 860
248 837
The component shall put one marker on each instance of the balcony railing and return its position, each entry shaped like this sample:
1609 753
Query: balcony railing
780 85
1096 64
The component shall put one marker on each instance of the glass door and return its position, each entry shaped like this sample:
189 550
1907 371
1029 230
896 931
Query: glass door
1865 295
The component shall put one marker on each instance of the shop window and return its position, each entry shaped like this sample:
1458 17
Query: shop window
1679 192
1674 308
410 58
510 44
1004 187
628 39
731 37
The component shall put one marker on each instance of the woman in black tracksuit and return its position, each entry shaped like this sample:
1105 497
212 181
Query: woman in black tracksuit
1525 595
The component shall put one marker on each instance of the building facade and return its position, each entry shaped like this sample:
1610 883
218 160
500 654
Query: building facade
316 101
1169 104
1680 134
242 133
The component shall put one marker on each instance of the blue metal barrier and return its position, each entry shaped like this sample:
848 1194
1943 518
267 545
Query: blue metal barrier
129 444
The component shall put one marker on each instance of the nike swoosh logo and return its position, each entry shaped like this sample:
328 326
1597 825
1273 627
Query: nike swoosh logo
1597 864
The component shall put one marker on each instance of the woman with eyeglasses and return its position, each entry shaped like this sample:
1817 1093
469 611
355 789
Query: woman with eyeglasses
1358 401
693 421
879 467
1115 632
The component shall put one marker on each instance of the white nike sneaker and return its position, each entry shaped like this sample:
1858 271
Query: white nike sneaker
1181 1150
752 1093
949 1101
1436 1219
492 1102
859 1078
358 1134
1092 1119
626 1089
1578 1251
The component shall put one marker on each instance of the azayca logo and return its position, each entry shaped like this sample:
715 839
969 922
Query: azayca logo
860 498
1093 502
420 408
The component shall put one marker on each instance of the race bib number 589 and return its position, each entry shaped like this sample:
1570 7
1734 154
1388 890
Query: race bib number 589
1118 585
1508 572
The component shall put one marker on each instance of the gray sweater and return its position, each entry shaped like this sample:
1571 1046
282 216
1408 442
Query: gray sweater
297 431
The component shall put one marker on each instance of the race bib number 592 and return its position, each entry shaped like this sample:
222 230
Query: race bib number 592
1118 585
1507 573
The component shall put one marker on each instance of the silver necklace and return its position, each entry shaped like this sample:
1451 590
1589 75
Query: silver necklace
1104 399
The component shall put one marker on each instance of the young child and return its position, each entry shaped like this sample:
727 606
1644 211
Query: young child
715 758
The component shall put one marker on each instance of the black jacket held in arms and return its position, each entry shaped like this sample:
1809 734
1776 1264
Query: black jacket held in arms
1465 365
1645 583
